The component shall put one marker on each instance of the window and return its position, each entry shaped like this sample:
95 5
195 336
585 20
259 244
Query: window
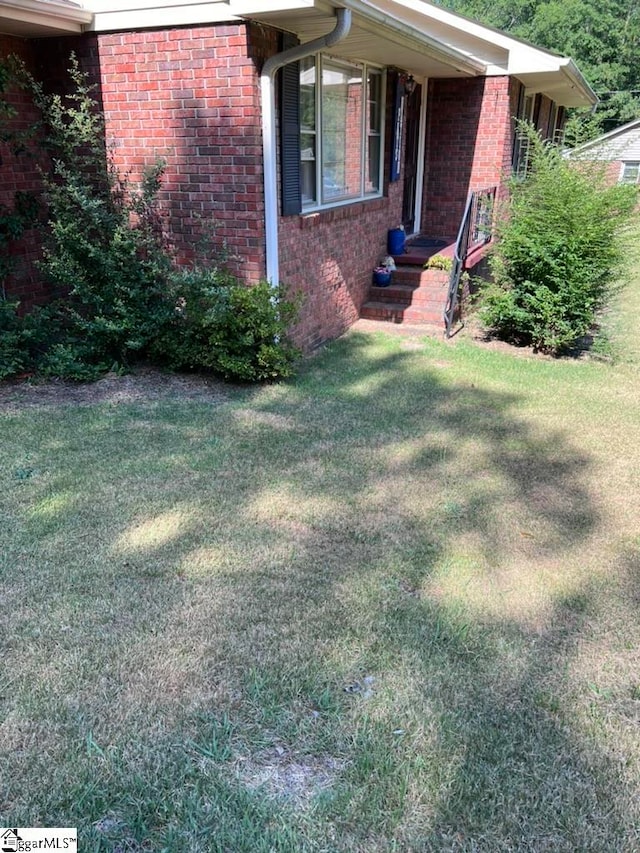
630 173
341 126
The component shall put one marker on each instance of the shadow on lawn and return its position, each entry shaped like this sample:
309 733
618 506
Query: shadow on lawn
310 521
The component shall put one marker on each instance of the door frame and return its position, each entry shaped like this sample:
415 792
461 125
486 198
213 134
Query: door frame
420 154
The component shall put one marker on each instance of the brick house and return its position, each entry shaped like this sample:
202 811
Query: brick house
306 131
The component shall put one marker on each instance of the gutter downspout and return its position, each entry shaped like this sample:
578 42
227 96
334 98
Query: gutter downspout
269 141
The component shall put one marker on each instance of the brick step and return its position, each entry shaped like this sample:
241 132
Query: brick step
417 277
419 254
390 311
420 314
397 312
408 295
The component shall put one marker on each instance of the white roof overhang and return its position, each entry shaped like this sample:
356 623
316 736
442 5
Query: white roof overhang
375 36
413 35
427 40
539 70
34 18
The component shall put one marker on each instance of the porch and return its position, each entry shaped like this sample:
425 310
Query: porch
419 293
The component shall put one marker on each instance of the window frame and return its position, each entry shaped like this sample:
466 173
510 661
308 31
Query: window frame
364 69
634 164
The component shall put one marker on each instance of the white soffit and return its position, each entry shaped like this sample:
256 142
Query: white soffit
35 18
375 36
136 14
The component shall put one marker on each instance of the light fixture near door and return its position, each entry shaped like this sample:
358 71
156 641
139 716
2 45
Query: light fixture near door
409 84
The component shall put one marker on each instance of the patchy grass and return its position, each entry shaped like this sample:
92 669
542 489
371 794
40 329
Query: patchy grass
392 605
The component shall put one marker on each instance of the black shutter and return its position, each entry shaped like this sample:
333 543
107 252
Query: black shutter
537 106
290 136
517 133
561 120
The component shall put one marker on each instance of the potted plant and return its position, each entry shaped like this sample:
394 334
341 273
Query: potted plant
382 273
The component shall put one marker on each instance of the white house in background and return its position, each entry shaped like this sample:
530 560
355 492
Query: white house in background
620 148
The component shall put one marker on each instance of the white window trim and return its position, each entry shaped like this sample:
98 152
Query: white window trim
623 166
364 67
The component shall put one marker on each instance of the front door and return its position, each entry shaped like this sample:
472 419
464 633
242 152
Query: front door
411 160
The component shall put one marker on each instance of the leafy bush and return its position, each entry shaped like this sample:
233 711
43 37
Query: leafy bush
114 273
439 262
103 247
556 250
14 355
23 339
123 298
235 331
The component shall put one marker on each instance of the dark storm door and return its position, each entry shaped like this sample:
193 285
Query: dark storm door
411 160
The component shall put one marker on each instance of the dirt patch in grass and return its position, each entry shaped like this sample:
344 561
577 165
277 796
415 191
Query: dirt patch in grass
287 776
142 385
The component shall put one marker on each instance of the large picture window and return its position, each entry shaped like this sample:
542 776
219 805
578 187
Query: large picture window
341 125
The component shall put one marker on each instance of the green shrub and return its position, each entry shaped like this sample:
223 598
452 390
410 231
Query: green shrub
439 262
248 334
238 332
114 273
556 250
70 360
123 299
23 339
14 350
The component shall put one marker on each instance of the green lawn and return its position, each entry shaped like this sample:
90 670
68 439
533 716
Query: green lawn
392 605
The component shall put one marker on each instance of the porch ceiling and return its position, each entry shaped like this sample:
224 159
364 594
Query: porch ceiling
374 36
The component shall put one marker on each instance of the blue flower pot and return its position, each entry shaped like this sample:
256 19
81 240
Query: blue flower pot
381 278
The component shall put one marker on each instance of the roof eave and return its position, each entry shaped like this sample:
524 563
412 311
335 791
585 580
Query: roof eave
604 138
578 82
378 23
449 55
42 17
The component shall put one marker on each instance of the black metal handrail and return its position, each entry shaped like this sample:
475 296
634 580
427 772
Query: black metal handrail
476 229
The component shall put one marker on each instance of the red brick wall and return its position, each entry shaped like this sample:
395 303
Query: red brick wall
191 97
328 257
19 173
469 138
613 171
